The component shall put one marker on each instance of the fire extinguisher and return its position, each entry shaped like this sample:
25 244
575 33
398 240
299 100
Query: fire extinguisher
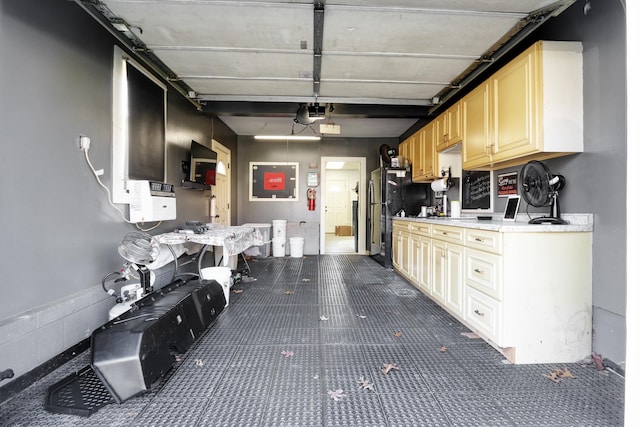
311 199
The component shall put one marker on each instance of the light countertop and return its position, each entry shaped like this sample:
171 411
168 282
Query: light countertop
576 223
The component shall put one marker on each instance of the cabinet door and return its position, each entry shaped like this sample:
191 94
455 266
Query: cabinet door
438 266
424 279
397 248
513 108
415 258
429 155
440 131
405 254
475 129
403 150
454 124
417 167
455 278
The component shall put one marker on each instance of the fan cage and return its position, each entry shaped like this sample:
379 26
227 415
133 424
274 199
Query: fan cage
139 248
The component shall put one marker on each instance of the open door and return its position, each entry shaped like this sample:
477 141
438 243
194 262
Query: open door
343 204
222 189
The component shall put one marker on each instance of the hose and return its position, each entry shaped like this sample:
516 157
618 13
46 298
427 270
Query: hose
104 287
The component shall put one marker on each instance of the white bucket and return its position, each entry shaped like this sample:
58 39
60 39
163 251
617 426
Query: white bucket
279 229
221 275
278 246
297 246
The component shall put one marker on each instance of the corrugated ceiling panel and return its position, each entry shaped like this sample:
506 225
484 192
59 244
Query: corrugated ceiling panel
438 70
352 30
219 24
237 64
251 87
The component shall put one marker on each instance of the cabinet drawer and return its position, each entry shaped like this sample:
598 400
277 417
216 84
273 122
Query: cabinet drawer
485 314
421 229
484 240
449 234
483 272
400 226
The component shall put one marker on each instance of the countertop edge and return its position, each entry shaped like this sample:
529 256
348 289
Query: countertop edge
579 222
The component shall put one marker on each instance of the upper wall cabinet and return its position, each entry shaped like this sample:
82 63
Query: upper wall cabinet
419 149
448 127
530 109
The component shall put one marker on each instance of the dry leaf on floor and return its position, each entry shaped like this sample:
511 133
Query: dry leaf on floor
558 374
324 318
199 362
597 359
287 353
306 280
236 291
388 367
288 292
397 334
365 384
553 377
443 349
336 394
361 316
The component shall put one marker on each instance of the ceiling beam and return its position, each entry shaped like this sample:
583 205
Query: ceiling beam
288 109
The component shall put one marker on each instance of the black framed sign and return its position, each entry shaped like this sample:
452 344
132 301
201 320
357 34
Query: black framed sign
273 181
476 190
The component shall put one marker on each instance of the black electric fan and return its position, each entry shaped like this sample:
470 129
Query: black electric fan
540 188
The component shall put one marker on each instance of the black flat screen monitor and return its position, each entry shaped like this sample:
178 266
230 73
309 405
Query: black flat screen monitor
202 168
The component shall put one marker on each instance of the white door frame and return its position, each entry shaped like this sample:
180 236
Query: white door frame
362 200
219 148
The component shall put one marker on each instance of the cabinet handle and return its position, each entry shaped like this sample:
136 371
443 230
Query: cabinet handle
444 233
477 270
476 311
479 239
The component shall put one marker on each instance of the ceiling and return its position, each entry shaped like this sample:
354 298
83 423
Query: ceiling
379 65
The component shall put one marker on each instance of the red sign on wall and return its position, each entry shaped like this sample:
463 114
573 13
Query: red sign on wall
507 184
274 181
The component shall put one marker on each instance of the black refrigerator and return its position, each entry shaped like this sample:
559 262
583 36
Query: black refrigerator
390 192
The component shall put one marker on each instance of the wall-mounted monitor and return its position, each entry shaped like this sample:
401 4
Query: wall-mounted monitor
139 125
202 164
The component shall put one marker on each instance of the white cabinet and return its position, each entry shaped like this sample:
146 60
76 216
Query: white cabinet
400 254
447 258
527 293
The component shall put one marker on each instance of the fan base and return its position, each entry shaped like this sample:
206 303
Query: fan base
547 220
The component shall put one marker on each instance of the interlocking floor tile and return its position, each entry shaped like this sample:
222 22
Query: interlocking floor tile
308 327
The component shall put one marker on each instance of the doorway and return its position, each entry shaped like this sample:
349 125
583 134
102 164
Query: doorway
222 189
343 200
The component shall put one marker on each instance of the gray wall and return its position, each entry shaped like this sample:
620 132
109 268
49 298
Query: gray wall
59 234
596 179
305 153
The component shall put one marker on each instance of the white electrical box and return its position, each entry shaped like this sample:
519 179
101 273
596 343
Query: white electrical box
151 201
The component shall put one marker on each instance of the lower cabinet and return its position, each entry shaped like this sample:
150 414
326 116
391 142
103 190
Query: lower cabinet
528 294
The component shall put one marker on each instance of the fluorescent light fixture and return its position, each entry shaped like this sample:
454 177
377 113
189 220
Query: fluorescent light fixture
288 137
